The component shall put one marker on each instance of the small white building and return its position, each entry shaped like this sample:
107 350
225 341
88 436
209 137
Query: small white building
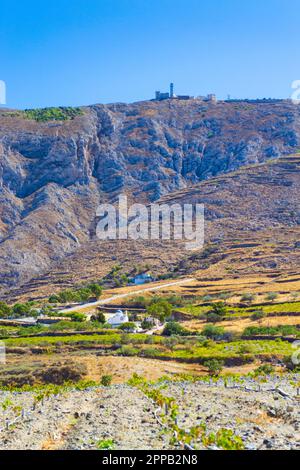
142 279
118 319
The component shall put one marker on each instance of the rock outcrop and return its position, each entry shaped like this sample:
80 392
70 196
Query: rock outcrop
54 174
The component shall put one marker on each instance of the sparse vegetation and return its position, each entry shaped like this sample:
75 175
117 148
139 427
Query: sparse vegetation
52 114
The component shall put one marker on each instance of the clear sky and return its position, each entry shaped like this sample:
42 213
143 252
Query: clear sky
76 52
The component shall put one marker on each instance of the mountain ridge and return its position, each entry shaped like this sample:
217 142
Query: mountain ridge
53 174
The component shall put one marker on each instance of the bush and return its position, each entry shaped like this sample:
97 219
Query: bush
150 352
214 366
213 332
106 444
53 299
139 301
106 380
128 350
23 310
128 326
217 312
99 317
213 317
174 328
96 289
265 369
160 309
52 114
258 315
146 324
271 296
60 373
5 310
77 317
248 297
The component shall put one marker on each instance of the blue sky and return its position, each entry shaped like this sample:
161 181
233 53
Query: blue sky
76 52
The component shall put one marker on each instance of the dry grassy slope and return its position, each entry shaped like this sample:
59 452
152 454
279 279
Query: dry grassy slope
252 220
252 228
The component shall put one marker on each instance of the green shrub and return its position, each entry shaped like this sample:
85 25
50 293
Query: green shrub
98 317
106 380
52 114
106 444
217 312
265 369
77 317
160 309
213 332
248 297
271 296
128 326
5 310
214 366
128 350
174 328
258 315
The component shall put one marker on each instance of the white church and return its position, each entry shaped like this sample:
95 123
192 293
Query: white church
118 319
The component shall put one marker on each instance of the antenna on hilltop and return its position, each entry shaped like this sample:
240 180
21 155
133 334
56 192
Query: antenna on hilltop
171 90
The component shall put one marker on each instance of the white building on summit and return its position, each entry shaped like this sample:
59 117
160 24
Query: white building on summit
159 96
118 319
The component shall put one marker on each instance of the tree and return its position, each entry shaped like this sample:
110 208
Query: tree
96 289
272 296
258 315
160 309
248 297
219 308
5 310
146 324
23 310
214 366
77 317
213 332
128 326
217 312
84 294
99 317
174 328
54 299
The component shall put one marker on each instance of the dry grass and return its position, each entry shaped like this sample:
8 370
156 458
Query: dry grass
238 325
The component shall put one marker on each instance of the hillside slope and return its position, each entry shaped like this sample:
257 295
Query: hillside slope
252 226
54 174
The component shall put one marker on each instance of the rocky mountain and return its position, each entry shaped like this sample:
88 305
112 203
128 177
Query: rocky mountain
53 174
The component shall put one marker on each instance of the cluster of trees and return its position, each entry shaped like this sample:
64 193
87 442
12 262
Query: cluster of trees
52 113
284 330
160 308
18 310
83 294
119 279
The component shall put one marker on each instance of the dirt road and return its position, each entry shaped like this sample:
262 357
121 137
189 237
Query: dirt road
127 294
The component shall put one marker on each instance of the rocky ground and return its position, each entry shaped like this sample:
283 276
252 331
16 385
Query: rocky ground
265 416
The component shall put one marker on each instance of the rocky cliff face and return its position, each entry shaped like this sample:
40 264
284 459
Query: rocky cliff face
54 174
